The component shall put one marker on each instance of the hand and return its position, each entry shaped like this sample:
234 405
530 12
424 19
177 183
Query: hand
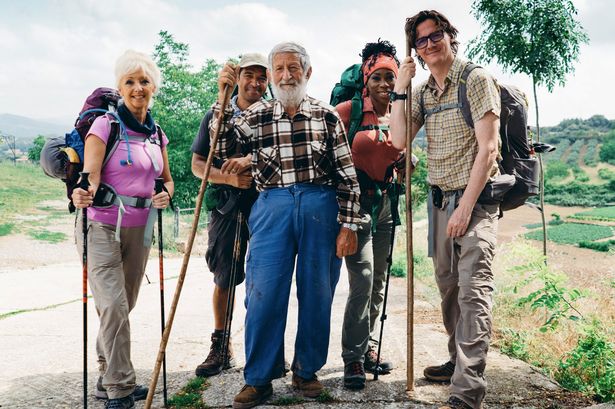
237 165
227 78
459 221
407 70
346 242
83 198
160 200
239 180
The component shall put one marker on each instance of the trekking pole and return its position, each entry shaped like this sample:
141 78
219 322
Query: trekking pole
383 316
158 188
409 249
189 244
230 301
85 184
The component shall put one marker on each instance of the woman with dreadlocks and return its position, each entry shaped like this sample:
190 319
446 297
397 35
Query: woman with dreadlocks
375 158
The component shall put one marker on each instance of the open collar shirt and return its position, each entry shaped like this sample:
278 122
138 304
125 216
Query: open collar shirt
310 147
451 144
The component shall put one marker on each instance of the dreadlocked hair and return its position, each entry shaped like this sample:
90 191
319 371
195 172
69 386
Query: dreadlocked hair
441 22
371 51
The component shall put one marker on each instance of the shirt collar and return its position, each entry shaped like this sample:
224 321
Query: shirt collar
305 108
453 73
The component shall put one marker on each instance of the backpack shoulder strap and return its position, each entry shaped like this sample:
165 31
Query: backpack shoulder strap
462 96
356 117
113 141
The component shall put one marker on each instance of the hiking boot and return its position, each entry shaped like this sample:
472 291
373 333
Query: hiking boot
440 373
354 376
251 396
127 402
455 403
140 392
213 364
371 356
310 388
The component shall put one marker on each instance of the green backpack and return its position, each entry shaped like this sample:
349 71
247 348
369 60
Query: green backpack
350 87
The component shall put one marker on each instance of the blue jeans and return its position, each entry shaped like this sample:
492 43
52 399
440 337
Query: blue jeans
287 223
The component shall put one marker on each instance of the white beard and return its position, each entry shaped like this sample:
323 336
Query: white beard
291 97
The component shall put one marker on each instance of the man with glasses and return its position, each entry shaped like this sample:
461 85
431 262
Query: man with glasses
234 191
461 159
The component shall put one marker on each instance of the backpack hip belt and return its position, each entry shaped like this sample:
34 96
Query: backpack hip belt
106 196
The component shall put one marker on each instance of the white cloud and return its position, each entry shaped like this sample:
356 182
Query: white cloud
59 51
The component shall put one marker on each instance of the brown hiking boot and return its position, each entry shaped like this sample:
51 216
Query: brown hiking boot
251 396
440 373
310 388
213 364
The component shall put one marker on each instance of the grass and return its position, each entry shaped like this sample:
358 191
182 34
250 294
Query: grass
423 267
573 233
191 395
600 214
6 228
49 307
22 187
48 236
580 359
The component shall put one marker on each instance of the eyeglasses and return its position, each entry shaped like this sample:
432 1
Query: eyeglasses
436 36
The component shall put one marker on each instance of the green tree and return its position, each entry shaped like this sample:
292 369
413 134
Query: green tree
34 153
607 150
179 107
539 38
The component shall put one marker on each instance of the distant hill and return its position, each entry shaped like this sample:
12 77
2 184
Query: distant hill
578 140
27 128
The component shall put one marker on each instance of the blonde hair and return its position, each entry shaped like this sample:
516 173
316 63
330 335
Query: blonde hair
132 61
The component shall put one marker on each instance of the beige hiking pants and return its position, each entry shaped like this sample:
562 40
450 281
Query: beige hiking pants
115 271
465 280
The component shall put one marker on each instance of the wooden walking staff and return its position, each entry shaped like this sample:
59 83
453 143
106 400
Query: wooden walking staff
182 274
409 252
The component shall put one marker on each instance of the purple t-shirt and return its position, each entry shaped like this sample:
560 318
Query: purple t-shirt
135 180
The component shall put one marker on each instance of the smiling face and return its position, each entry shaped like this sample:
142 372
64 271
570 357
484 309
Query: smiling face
289 79
380 84
136 89
252 83
437 53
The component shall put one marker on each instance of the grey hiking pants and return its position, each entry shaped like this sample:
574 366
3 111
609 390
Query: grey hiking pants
465 280
366 275
115 271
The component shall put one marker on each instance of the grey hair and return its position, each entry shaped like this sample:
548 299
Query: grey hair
132 61
291 47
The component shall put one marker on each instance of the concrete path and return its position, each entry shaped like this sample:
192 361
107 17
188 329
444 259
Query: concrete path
41 359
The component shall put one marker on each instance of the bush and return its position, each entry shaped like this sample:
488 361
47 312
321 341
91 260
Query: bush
557 171
590 367
606 174
603 246
607 150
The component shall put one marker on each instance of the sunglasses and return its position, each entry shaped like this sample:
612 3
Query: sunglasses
436 36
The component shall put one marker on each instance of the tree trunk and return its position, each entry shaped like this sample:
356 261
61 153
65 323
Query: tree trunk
542 177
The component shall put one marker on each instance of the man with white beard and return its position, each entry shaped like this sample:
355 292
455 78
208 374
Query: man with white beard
306 212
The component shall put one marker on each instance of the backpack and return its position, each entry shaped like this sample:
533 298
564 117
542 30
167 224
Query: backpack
519 167
350 87
62 157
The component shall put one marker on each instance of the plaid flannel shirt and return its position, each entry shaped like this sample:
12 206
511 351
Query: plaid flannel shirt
451 144
311 147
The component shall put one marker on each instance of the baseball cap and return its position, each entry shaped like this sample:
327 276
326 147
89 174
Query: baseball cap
250 59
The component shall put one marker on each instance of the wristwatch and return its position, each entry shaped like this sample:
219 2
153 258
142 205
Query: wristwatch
351 226
394 96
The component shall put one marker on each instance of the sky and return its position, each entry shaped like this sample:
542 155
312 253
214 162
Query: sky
55 52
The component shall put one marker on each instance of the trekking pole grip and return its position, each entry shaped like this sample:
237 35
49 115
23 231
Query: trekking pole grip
159 185
84 183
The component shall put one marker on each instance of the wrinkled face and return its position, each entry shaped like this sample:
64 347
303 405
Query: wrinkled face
289 79
136 89
287 71
252 83
379 84
435 52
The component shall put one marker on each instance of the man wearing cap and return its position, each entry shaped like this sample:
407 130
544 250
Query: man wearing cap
302 224
231 192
